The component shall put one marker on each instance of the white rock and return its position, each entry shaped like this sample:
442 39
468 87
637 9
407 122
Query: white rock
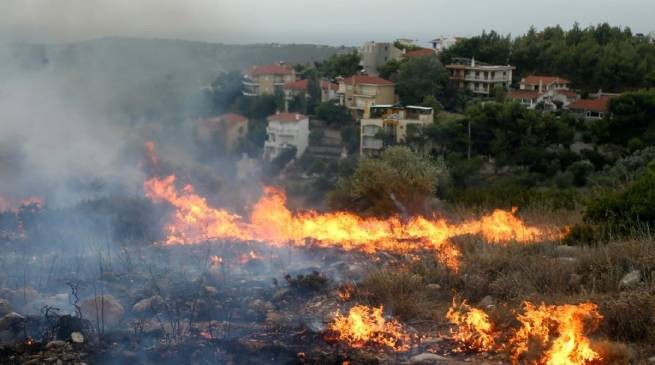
630 280
103 308
77 337
426 358
152 303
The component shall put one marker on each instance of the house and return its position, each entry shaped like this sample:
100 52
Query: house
550 100
376 54
478 77
423 52
227 129
442 43
591 109
301 87
544 83
360 91
406 42
286 130
385 125
267 79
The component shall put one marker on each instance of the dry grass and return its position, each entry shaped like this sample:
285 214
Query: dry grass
539 273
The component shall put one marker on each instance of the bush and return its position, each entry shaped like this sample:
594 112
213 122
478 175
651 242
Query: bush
631 211
630 317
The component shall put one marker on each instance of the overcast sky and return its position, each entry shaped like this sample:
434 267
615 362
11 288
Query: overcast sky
335 22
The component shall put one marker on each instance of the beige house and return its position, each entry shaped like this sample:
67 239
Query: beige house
544 83
478 77
267 79
385 125
227 128
376 54
361 91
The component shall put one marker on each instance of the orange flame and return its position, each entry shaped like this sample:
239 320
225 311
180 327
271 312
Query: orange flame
14 205
366 326
346 292
560 330
216 261
474 329
270 221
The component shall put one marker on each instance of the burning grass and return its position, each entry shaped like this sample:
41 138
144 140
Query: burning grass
367 326
473 328
270 221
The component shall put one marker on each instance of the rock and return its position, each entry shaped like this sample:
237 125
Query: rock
575 280
11 322
104 308
281 294
152 303
630 280
5 308
55 345
487 301
77 337
567 260
651 359
433 287
24 296
566 251
274 319
431 341
211 291
426 358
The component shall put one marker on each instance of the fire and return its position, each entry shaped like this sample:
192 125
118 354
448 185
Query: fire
366 326
474 329
346 292
272 222
560 330
250 256
216 261
14 205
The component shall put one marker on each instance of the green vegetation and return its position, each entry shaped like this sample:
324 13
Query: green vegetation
340 65
611 58
399 181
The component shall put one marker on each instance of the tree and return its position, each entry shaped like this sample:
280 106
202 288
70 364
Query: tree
389 69
420 77
225 90
340 65
400 181
488 47
333 114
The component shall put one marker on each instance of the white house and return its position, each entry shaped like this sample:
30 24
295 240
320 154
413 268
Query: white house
286 130
442 43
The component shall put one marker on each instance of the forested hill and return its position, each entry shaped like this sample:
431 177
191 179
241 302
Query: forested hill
596 57
141 75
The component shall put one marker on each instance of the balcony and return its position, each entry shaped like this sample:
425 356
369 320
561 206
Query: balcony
372 143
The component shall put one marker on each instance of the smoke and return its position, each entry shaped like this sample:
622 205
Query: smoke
52 144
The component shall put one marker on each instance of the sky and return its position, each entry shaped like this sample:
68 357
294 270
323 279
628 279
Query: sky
333 22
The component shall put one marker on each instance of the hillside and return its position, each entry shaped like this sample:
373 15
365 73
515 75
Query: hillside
140 76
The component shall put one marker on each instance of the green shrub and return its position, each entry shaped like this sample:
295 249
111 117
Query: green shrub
628 211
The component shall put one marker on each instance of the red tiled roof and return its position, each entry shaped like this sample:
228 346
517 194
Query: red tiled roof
534 80
365 79
304 85
233 118
270 70
523 94
595 105
423 52
287 117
